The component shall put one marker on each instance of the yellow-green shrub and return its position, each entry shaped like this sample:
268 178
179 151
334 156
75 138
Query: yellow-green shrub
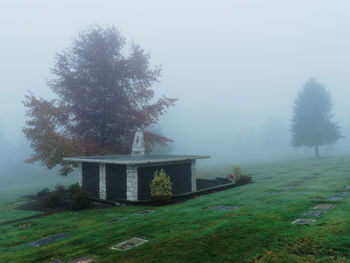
161 187
237 173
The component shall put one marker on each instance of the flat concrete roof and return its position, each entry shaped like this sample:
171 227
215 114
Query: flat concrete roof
134 159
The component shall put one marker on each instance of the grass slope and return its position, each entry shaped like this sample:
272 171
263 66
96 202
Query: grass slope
259 231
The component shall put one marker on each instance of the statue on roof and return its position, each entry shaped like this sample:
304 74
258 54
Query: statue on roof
138 146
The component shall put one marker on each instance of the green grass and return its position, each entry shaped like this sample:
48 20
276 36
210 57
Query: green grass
8 202
259 231
12 191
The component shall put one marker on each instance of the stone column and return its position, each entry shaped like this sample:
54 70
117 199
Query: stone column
193 175
103 191
131 182
80 174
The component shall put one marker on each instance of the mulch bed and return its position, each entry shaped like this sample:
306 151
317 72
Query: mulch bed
37 205
181 197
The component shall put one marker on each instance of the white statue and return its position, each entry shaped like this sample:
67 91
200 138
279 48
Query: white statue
138 147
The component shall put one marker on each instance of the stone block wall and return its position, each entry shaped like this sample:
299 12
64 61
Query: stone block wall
80 174
193 173
103 192
131 182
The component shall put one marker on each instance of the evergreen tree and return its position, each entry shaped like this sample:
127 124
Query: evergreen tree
312 124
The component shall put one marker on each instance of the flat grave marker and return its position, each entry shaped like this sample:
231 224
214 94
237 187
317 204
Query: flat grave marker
144 212
343 193
291 186
324 206
335 199
128 244
308 179
55 261
263 179
83 260
47 240
313 213
223 208
117 219
21 203
25 225
347 187
273 192
304 221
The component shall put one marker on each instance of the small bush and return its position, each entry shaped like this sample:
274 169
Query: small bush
60 188
244 180
160 188
72 190
81 200
230 177
43 193
53 200
237 173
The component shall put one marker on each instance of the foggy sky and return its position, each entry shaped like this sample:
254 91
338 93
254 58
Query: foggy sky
236 66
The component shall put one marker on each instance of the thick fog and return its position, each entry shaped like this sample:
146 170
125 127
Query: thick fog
235 66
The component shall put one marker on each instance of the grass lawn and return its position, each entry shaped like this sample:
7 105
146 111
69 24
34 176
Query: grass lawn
260 230
9 200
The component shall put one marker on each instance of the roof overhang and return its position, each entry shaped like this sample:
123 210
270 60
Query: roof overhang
135 159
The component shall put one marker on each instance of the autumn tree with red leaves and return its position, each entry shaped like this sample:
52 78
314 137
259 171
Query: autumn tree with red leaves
102 96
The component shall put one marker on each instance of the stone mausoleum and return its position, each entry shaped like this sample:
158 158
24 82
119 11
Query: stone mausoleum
128 177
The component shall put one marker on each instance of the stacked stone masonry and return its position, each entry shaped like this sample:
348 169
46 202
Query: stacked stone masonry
193 178
103 192
80 174
131 182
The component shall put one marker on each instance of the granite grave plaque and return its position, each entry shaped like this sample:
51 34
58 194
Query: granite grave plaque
303 221
128 244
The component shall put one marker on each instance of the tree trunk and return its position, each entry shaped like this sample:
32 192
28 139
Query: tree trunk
317 152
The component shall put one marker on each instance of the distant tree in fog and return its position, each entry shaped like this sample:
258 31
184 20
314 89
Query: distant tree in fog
311 121
103 96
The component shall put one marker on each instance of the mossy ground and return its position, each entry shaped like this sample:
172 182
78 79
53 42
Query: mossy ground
259 231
